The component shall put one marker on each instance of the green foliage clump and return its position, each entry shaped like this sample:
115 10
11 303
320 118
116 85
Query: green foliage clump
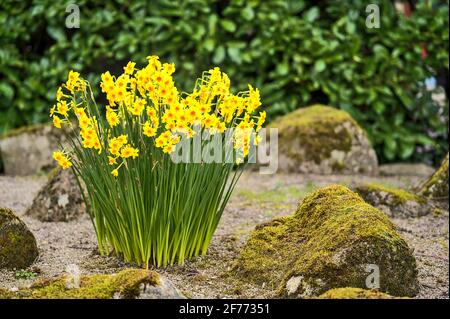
299 52
25 274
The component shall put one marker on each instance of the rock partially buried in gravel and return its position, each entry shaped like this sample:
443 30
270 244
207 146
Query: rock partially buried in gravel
323 140
354 293
18 247
395 202
28 150
436 186
334 239
60 200
127 284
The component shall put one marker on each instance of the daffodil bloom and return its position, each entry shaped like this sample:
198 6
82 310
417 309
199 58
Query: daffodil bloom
79 112
115 172
111 117
52 110
106 77
129 68
168 148
261 120
112 160
56 121
161 141
59 94
137 107
66 164
62 159
62 108
129 151
58 156
169 68
122 139
73 76
149 130
115 144
84 121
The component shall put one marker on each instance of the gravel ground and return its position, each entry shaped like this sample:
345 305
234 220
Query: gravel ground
258 198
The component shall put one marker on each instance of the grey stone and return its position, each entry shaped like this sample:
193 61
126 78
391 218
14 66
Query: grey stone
29 150
165 290
60 200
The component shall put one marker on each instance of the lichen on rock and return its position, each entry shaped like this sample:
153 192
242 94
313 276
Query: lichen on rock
18 247
127 284
328 243
436 186
395 202
323 140
59 200
354 293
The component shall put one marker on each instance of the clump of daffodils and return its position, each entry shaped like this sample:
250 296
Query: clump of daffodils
152 101
130 139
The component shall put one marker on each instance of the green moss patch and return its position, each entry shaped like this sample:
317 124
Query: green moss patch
125 284
399 195
328 243
395 202
354 293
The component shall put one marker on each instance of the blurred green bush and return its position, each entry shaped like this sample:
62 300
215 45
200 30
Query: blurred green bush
298 52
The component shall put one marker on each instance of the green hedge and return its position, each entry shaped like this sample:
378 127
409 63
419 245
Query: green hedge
298 52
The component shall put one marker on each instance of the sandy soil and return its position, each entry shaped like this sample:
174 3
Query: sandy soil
258 198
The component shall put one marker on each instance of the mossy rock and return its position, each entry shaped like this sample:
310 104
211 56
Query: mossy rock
59 200
323 140
395 202
328 243
18 247
28 150
127 284
354 293
436 186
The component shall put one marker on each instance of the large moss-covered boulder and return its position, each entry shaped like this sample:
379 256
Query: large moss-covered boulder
436 186
333 240
127 284
59 200
323 140
18 247
395 202
354 293
28 150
